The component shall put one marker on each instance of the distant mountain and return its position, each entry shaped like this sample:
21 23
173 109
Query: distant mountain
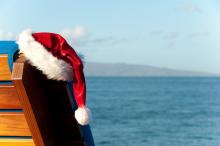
128 70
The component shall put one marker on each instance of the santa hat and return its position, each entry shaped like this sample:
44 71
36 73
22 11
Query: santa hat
51 54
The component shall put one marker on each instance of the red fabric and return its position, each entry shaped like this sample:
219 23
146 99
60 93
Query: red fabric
57 45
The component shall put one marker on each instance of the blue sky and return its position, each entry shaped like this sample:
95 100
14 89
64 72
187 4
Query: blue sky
179 34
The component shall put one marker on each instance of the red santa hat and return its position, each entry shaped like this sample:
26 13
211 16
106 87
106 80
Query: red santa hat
50 53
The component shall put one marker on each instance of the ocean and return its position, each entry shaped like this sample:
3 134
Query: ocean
154 111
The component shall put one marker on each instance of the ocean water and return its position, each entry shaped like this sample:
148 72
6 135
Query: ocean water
155 111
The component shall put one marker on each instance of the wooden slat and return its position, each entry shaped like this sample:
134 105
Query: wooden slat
16 142
9 97
5 74
13 124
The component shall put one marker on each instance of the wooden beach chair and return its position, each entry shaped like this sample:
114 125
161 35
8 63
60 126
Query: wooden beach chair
35 111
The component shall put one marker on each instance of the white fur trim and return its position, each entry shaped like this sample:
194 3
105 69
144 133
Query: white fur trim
39 57
83 115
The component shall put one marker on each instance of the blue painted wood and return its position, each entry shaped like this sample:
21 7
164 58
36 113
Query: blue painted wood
8 47
6 82
15 137
10 110
85 130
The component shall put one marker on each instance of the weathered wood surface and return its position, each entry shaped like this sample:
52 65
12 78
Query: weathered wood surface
13 124
9 97
16 142
5 74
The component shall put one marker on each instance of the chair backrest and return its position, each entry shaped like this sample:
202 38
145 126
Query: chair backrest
47 107
14 129
35 111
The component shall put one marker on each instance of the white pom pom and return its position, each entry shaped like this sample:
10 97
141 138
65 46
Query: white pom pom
82 115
